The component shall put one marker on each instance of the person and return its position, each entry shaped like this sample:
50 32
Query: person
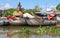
18 12
50 14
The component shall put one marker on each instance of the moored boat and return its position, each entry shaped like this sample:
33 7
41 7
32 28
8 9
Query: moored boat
29 21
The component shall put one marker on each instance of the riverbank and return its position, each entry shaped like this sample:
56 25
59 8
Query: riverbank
48 30
32 32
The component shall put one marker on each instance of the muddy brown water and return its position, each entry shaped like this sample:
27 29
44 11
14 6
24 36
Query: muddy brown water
6 30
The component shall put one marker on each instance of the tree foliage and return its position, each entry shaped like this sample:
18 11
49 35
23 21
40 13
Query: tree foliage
0 12
37 8
10 11
58 7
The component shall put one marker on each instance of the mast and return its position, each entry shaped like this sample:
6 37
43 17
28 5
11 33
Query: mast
19 6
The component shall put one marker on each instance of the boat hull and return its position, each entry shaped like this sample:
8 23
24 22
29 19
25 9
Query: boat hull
17 22
4 22
24 21
40 22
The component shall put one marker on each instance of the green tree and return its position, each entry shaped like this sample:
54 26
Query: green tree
10 11
23 10
0 12
31 11
58 7
37 8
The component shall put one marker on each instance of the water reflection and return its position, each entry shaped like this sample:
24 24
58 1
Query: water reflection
4 36
7 32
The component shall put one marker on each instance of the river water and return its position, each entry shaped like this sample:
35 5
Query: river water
4 30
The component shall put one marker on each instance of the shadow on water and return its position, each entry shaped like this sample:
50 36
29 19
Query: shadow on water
8 32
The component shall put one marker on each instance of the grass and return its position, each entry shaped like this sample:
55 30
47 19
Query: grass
49 30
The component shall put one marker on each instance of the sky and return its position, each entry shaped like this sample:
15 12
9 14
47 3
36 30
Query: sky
29 3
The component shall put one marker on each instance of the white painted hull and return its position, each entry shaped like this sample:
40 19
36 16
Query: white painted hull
17 22
58 18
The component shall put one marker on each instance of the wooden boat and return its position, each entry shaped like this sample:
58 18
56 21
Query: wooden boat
30 21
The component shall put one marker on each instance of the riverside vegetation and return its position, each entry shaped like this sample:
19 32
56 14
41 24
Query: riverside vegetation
42 30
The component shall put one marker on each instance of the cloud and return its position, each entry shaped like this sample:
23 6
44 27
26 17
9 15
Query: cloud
6 6
54 7
2 8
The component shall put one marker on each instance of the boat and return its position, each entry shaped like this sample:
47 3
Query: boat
27 21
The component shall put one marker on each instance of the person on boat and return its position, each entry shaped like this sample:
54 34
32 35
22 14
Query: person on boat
51 14
18 12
